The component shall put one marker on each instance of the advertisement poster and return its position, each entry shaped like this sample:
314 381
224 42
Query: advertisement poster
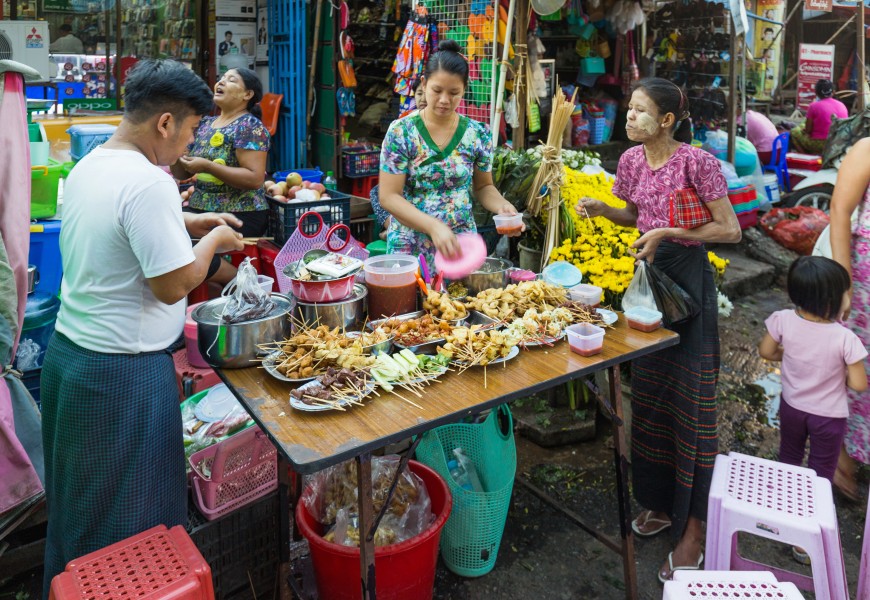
815 61
234 40
235 9
262 35
767 46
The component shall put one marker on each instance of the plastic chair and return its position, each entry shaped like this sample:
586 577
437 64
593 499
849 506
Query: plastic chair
779 502
725 585
777 160
864 574
271 106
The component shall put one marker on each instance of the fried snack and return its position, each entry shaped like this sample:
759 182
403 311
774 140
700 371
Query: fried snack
580 313
506 304
469 347
444 307
540 327
416 331
311 351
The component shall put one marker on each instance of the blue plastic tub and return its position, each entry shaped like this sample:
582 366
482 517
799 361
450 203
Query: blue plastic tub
314 175
45 254
84 138
39 319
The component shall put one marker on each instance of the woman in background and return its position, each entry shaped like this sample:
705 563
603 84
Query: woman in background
811 136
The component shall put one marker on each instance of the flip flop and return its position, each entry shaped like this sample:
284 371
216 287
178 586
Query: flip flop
636 527
800 556
672 568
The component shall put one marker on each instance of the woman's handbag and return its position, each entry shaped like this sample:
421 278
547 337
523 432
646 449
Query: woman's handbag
345 65
686 211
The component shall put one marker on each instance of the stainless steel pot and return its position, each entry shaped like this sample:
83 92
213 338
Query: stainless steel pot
235 345
493 274
345 314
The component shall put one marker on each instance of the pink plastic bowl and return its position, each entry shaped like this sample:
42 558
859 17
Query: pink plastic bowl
472 256
323 291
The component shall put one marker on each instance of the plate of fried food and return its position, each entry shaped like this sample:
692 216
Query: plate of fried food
467 347
540 328
276 365
337 389
419 332
442 306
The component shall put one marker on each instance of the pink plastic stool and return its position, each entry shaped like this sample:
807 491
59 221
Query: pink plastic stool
780 502
864 574
727 585
190 379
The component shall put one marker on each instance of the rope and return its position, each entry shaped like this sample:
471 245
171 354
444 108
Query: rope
8 370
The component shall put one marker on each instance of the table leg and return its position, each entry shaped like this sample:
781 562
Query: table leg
366 517
620 457
285 530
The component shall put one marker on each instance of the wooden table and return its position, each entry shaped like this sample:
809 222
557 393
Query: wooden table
313 441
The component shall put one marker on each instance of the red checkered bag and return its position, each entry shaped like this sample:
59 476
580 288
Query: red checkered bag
686 211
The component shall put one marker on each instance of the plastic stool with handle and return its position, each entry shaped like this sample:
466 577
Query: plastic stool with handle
728 585
780 502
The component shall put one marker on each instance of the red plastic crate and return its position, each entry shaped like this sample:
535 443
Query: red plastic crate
234 472
197 379
157 564
362 187
748 219
741 195
268 254
808 162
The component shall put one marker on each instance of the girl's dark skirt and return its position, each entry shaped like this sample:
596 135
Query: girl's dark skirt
674 438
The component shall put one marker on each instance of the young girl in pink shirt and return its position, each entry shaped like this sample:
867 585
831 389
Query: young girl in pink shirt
820 358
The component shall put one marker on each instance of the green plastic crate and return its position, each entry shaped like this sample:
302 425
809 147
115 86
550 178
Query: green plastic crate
44 181
472 535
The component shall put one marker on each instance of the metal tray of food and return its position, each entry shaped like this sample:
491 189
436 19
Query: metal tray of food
372 325
481 320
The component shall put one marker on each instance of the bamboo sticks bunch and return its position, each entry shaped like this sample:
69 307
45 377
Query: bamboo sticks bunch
581 313
548 181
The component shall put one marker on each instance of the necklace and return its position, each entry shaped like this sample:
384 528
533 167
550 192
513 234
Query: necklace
811 318
450 130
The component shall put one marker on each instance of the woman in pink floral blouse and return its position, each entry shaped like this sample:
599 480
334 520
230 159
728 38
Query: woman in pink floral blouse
674 439
850 246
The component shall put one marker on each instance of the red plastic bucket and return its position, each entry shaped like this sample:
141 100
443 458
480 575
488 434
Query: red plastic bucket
405 571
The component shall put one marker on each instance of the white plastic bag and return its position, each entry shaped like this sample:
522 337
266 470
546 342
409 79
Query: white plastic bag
639 292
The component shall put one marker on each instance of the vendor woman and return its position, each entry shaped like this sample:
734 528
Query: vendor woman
673 437
431 163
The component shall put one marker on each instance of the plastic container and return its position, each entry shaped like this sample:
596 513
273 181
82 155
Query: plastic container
314 175
472 254
771 188
508 224
284 217
268 252
585 339
587 294
517 275
808 162
405 571
40 314
643 319
45 255
562 273
84 138
234 472
190 336
44 182
157 563
391 284
360 162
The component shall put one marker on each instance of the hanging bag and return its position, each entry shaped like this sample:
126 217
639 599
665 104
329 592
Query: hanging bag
345 65
651 288
603 46
686 211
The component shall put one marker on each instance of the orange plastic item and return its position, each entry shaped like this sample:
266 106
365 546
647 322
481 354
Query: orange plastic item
476 24
271 106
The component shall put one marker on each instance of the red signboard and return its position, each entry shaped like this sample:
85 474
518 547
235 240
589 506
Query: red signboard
823 5
815 61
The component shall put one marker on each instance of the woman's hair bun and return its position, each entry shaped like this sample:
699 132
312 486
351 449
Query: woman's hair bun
448 46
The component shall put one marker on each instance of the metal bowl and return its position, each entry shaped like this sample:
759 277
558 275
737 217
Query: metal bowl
379 348
493 274
344 314
235 345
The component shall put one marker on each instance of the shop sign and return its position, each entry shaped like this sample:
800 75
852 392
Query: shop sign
815 61
97 104
823 5
78 6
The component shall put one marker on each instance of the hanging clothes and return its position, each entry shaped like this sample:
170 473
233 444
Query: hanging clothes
20 430
412 54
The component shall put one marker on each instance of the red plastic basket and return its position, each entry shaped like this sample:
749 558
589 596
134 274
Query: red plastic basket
157 564
234 472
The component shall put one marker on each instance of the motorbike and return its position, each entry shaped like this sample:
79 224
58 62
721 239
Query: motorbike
817 188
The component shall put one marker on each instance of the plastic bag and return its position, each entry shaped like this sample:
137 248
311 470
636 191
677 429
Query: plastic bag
639 292
198 435
675 304
795 228
248 301
331 497
728 171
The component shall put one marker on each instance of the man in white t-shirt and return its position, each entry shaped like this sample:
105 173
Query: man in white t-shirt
66 43
111 422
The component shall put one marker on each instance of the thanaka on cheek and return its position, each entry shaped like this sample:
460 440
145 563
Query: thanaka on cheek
647 124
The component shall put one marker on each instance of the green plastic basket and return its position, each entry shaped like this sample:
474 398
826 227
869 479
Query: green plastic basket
472 535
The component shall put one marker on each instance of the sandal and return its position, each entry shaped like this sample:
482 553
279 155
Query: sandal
800 556
846 485
695 567
660 524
